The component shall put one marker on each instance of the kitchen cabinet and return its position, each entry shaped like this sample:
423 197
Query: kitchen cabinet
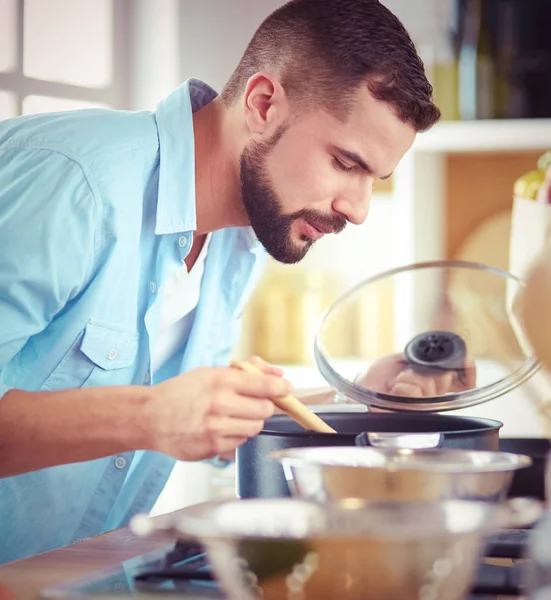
430 184
455 176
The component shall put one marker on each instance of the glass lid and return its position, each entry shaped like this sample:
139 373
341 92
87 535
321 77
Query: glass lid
432 336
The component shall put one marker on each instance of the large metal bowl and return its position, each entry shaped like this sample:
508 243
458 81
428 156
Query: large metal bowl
331 473
289 549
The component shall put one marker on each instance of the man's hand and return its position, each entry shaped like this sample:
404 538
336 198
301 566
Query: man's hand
197 415
210 411
394 375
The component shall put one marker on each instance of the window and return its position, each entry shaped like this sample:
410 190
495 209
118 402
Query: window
46 65
8 105
46 104
8 35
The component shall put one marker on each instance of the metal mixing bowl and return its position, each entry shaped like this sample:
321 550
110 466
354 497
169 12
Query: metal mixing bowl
289 549
331 473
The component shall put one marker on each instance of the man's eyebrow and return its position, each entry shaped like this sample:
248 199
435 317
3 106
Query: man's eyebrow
356 158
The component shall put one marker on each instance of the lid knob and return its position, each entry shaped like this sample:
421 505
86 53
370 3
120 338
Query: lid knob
440 350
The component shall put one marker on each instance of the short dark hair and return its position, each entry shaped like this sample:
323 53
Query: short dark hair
323 50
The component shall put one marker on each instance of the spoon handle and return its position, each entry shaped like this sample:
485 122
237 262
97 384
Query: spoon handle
290 405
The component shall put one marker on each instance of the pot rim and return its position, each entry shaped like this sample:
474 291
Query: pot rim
487 425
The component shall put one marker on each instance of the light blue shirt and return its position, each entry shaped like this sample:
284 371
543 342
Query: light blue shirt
97 210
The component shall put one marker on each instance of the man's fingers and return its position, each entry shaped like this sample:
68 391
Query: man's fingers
259 386
419 385
235 443
409 377
227 446
265 367
445 382
407 390
241 407
469 377
226 427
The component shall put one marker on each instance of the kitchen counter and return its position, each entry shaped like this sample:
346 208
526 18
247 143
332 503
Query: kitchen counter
25 578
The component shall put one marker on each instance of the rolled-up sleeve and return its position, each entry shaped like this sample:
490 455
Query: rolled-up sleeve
47 242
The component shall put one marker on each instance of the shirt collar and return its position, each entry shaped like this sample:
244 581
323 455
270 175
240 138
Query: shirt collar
176 210
250 240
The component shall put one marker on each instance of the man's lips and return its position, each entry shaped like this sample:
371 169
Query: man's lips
312 232
315 232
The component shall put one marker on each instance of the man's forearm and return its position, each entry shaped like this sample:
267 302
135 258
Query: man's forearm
44 429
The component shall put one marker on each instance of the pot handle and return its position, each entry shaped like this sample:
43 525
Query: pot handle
413 441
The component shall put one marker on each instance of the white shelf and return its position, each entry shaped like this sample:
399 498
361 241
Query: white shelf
420 179
486 136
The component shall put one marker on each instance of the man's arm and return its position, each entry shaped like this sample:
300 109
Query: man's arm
48 225
47 243
43 429
194 416
48 218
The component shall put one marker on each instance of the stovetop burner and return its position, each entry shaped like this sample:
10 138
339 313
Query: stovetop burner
183 569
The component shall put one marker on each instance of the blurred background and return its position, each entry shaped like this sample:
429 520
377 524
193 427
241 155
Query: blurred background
488 60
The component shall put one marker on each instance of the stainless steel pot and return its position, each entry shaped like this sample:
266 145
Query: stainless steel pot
328 474
257 476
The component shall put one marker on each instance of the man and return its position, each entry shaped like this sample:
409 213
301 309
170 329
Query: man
132 241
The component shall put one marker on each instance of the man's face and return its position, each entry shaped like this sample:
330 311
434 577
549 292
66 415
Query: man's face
316 174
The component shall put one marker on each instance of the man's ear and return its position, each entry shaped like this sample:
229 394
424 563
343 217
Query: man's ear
265 104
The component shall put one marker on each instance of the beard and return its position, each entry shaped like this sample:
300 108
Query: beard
265 211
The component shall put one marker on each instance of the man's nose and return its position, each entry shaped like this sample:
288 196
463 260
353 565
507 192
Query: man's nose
356 209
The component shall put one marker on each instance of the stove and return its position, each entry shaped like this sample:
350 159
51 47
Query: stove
183 570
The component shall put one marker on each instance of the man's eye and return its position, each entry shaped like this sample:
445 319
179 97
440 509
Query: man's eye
340 166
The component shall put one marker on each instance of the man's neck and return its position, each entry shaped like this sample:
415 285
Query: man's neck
217 184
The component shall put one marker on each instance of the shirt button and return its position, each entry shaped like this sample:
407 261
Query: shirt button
147 378
120 462
153 287
182 241
112 354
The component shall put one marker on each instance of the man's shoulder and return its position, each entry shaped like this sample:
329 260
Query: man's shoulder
92 135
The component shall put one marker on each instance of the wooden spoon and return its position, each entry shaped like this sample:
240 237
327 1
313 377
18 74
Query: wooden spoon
290 405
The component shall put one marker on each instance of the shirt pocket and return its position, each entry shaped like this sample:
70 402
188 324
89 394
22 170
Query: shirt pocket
102 355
